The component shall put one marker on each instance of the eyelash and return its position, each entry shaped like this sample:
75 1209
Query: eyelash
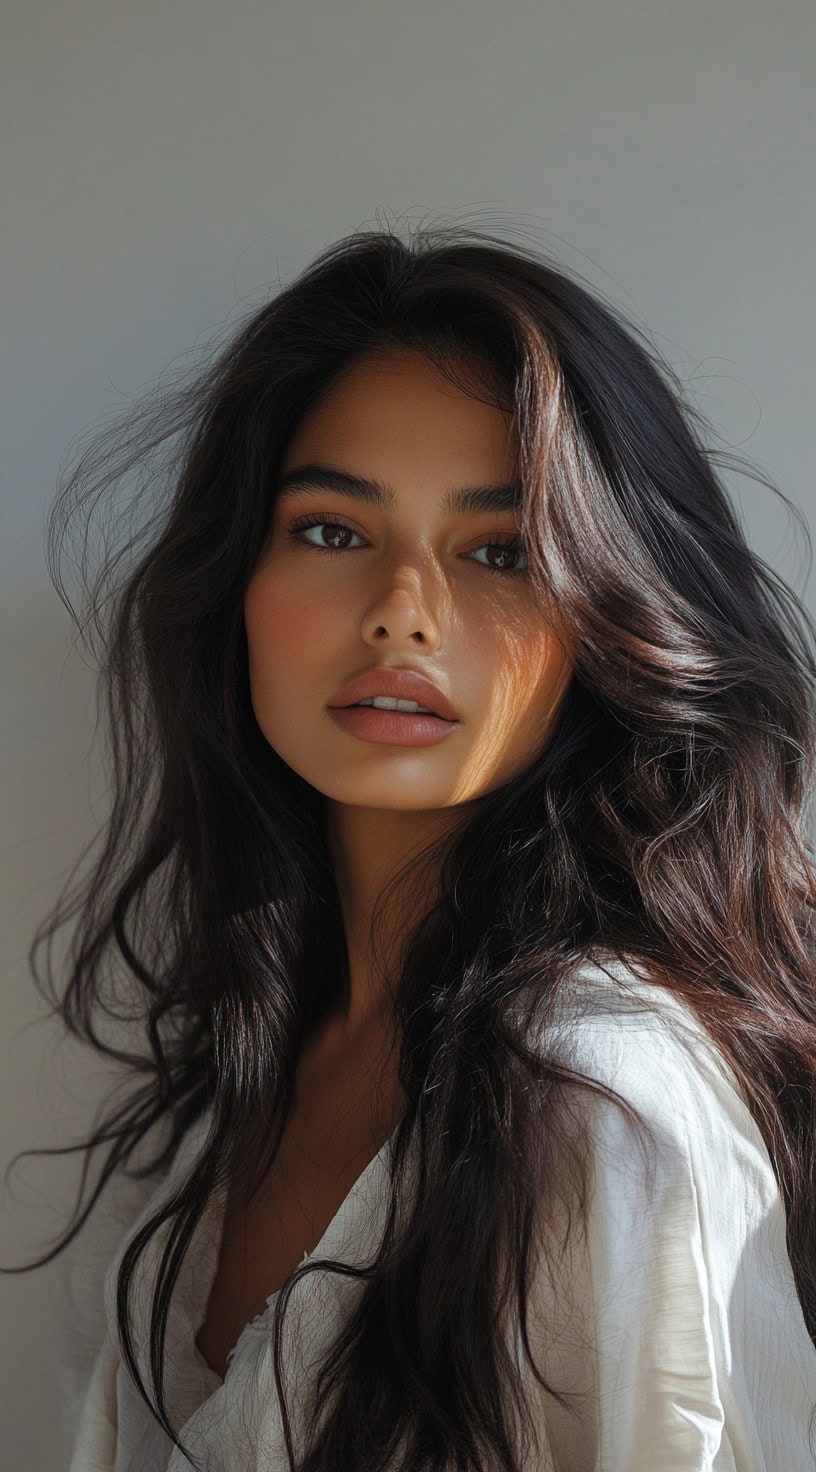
315 519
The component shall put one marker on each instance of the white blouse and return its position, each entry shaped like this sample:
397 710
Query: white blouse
676 1326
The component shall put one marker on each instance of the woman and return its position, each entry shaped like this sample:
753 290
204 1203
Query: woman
475 1127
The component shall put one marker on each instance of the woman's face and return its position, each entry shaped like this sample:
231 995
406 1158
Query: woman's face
409 586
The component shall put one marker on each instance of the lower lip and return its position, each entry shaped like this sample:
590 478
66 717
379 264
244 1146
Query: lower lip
391 727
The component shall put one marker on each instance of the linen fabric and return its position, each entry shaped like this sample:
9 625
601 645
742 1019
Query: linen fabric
673 1328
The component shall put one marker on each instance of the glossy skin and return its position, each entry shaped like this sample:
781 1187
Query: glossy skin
411 585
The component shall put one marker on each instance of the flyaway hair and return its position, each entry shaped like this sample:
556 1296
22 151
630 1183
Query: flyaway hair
664 820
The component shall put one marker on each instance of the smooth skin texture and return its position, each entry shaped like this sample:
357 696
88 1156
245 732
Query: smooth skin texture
409 585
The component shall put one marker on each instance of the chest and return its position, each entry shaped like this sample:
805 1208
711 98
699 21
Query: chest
334 1130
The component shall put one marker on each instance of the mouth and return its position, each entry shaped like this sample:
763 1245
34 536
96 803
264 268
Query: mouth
424 711
392 727
396 686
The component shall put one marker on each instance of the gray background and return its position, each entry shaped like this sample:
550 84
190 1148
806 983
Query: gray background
165 165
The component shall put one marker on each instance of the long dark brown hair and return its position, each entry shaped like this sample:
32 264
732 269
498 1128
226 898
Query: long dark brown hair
664 820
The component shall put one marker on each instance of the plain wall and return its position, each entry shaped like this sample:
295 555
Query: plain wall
165 165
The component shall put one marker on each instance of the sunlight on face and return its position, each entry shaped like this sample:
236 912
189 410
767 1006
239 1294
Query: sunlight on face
411 585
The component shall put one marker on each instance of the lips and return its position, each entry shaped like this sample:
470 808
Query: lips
399 684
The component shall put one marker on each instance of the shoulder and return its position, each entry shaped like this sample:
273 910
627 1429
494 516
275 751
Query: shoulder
633 1036
86 1318
673 1318
130 1193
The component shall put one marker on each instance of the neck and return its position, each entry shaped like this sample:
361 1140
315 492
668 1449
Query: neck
369 847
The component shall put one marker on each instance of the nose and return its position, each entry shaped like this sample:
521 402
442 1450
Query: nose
402 616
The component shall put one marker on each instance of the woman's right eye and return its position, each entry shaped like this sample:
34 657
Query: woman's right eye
298 528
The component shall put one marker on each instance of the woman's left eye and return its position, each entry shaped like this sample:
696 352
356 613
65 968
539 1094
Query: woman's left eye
511 546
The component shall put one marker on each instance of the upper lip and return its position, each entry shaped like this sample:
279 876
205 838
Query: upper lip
400 684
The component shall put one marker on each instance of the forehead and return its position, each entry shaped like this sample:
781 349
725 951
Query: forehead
396 406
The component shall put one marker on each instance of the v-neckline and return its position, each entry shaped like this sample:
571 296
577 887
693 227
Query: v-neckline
212 1224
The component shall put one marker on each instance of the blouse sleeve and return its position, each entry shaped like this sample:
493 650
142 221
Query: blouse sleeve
674 1327
84 1354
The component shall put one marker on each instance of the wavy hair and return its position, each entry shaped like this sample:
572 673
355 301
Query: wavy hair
665 820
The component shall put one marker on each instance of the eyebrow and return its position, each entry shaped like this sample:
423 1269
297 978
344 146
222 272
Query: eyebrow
468 499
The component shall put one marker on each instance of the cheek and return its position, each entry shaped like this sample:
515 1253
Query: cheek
540 674
554 676
282 621
517 647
